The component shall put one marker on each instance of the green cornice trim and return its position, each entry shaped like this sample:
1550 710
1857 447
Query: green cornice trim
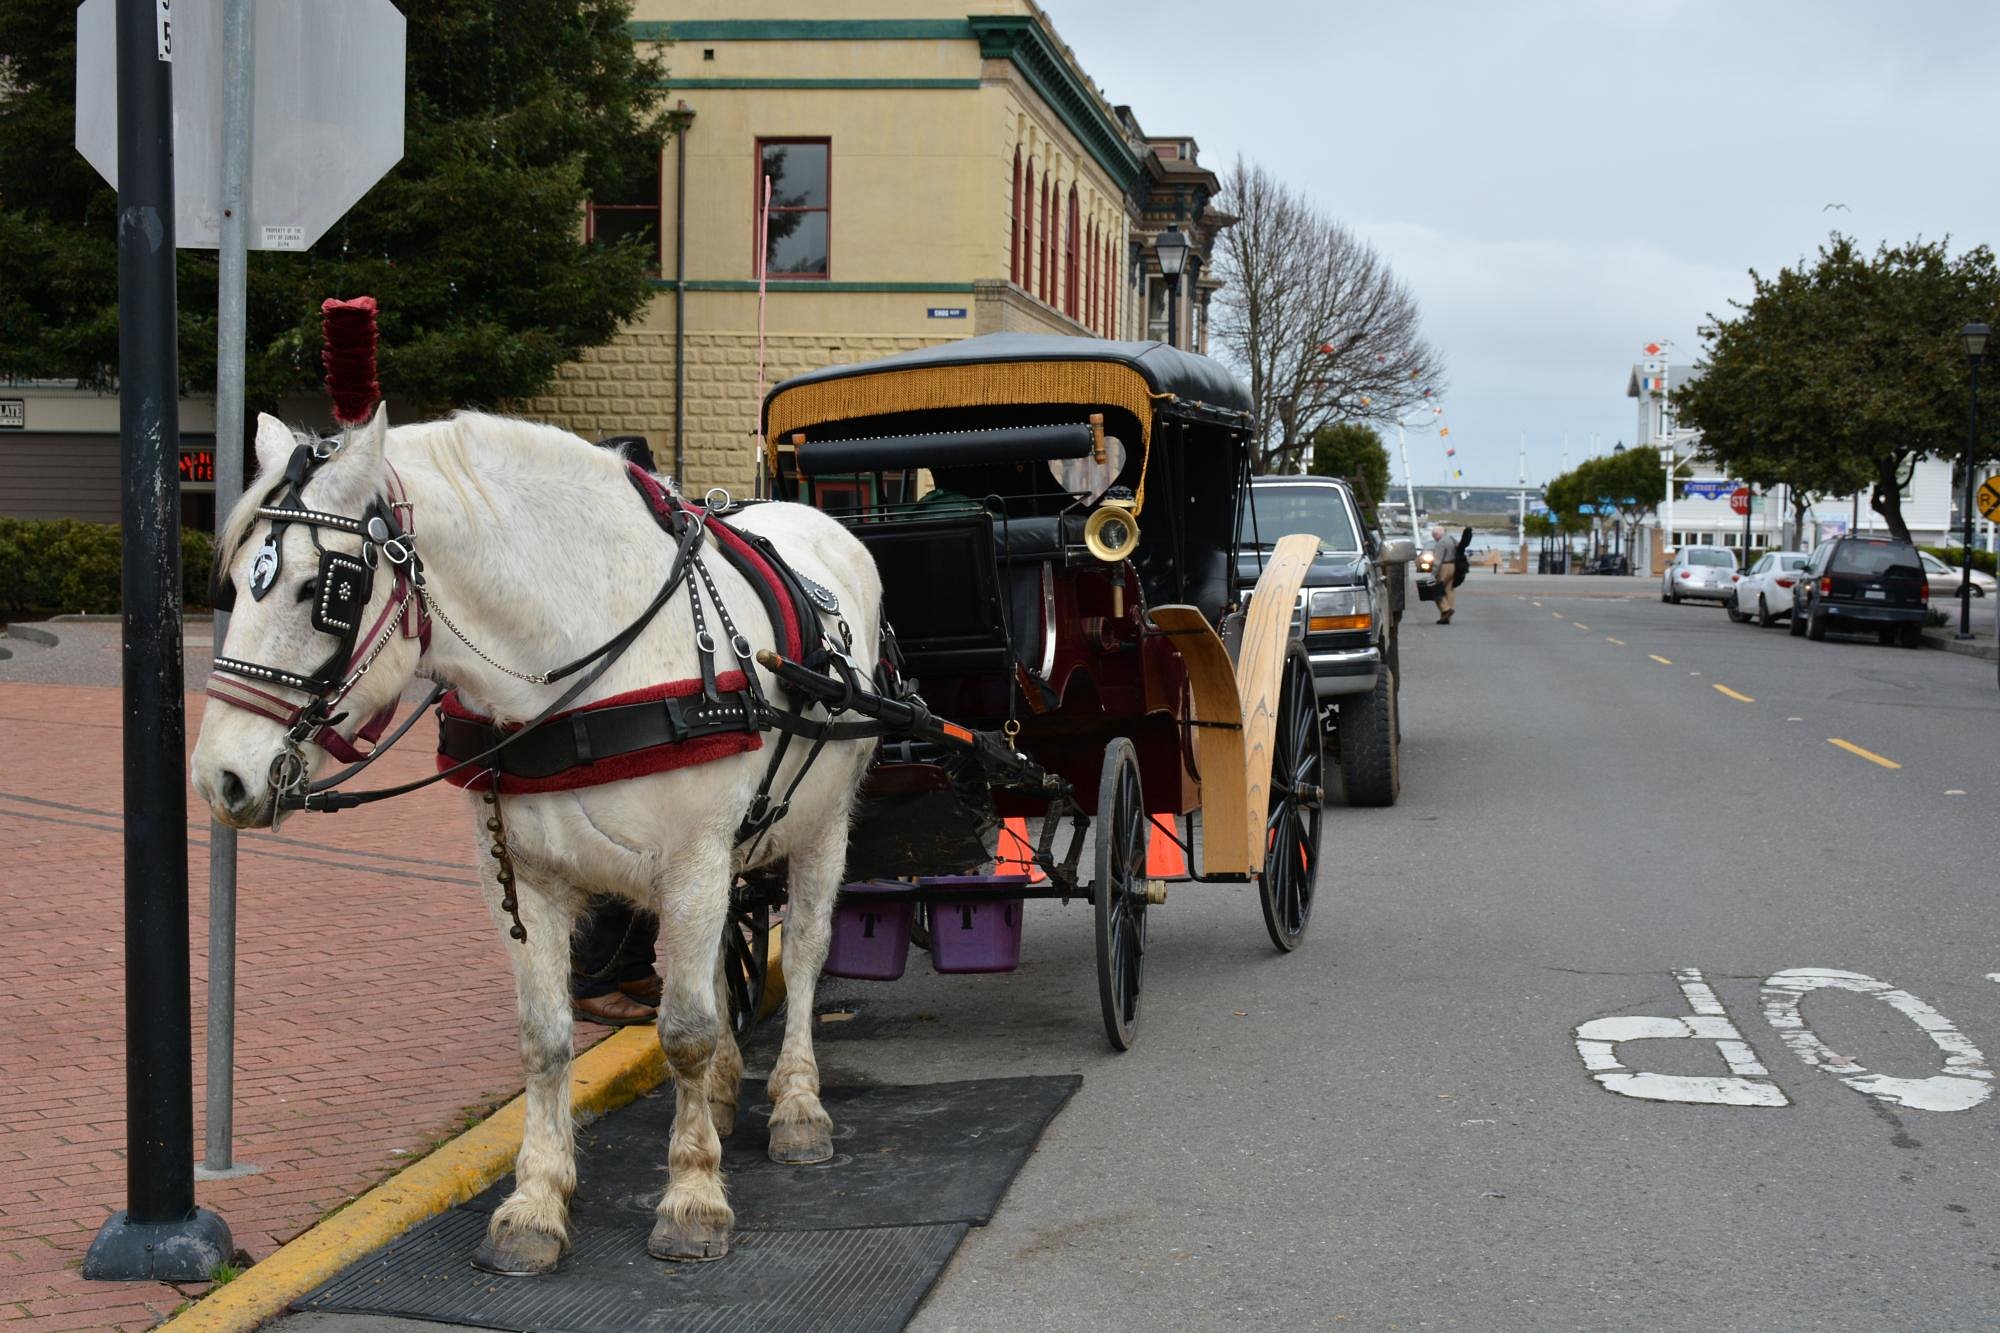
1021 39
812 285
836 84
802 30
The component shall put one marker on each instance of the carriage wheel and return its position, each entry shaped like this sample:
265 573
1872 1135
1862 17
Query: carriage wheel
1119 892
1291 834
746 963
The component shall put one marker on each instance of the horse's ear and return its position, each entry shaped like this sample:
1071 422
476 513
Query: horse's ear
274 445
358 465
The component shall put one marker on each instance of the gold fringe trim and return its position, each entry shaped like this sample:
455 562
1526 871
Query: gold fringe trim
936 388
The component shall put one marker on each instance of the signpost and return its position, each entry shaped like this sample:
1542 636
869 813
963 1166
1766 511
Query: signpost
266 166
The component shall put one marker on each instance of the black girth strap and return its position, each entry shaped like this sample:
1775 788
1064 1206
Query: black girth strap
595 735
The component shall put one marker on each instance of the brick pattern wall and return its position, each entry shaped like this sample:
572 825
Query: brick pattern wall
627 388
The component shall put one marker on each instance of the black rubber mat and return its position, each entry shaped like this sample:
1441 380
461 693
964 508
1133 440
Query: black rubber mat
853 1244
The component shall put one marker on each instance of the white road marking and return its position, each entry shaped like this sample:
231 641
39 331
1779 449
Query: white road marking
1969 1083
1749 1085
1954 791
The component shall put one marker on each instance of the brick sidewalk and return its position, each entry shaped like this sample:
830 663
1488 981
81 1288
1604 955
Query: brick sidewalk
375 1004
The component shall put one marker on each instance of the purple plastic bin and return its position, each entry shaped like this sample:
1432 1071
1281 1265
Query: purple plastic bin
973 929
871 931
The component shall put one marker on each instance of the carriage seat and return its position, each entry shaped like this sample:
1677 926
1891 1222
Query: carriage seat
1042 537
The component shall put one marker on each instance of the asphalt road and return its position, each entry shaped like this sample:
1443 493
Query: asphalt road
1394 1127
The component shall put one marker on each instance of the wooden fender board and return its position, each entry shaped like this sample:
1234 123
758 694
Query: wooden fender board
1260 663
1218 735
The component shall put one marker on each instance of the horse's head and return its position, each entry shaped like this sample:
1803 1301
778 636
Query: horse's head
318 571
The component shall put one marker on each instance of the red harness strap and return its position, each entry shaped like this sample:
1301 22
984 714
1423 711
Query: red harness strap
594 772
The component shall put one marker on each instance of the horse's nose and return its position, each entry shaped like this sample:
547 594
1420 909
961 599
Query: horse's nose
234 794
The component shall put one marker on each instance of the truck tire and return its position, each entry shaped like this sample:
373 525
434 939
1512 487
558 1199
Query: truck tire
1371 765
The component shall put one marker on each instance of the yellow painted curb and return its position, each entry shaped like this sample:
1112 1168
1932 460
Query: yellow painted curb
615 1071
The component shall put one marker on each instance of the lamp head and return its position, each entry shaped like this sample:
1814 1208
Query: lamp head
1172 249
1975 340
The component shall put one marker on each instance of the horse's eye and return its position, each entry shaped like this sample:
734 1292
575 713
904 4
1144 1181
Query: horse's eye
308 590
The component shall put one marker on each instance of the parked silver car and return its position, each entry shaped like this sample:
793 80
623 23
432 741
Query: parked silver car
1946 580
1704 572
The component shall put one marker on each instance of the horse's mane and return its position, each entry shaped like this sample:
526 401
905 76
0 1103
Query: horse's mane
461 448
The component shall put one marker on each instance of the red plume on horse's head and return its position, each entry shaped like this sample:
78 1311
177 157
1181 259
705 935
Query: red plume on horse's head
348 330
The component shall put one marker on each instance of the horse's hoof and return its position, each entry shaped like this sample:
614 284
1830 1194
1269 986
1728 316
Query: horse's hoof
687 1242
518 1252
723 1116
801 1144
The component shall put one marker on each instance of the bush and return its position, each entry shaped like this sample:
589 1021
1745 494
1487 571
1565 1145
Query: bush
63 565
1981 560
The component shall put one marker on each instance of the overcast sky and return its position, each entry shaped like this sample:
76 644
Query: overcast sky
1560 183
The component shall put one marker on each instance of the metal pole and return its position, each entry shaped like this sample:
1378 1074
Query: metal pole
160 1235
1409 486
230 337
1971 471
680 292
1173 300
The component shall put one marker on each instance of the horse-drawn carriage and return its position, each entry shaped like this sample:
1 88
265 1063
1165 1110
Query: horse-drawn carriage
680 705
1053 520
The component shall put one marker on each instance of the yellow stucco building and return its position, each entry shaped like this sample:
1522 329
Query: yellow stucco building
933 175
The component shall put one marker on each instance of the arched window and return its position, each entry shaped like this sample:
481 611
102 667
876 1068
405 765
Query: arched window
1014 224
1042 249
1090 274
1072 252
1114 284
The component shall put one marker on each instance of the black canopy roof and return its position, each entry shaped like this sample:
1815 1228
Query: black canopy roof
1203 385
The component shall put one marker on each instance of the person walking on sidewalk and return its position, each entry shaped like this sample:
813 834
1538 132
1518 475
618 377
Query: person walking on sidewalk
1445 568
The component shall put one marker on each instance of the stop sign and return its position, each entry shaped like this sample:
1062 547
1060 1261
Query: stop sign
326 112
1739 500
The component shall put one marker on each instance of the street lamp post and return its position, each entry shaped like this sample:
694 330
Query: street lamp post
1975 347
1172 251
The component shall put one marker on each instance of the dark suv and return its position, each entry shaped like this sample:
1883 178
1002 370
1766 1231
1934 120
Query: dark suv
1348 611
1861 585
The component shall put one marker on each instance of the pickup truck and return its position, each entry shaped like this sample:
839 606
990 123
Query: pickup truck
1348 616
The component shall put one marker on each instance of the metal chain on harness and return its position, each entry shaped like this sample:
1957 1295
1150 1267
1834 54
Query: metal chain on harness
496 824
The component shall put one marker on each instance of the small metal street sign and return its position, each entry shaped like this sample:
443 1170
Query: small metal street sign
1988 497
947 312
13 414
1708 490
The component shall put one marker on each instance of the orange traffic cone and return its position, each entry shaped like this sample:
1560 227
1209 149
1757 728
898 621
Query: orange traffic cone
1164 857
1016 853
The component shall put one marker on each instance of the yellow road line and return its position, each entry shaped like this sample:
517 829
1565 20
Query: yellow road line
1663 661
1579 624
1537 603
1557 614
1739 698
1869 755
1619 642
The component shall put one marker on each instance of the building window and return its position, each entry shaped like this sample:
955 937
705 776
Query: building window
1110 287
1072 251
630 212
1043 289
796 244
1090 274
1014 226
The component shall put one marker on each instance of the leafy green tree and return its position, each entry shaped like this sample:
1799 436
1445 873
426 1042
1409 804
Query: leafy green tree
515 114
1840 375
1350 449
1625 486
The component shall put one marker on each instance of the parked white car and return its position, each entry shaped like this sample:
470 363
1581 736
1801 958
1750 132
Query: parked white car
1765 593
1947 579
1704 572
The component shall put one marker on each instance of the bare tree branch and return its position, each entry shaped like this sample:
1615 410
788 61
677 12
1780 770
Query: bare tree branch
1314 318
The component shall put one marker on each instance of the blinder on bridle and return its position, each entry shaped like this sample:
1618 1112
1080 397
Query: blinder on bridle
340 593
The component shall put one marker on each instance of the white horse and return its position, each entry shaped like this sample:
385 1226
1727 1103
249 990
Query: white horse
537 547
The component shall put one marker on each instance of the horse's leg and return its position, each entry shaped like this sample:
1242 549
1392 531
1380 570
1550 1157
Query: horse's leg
801 1130
694 1216
725 1071
530 1231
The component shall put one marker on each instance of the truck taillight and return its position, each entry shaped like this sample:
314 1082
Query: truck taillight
1826 587
1924 592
